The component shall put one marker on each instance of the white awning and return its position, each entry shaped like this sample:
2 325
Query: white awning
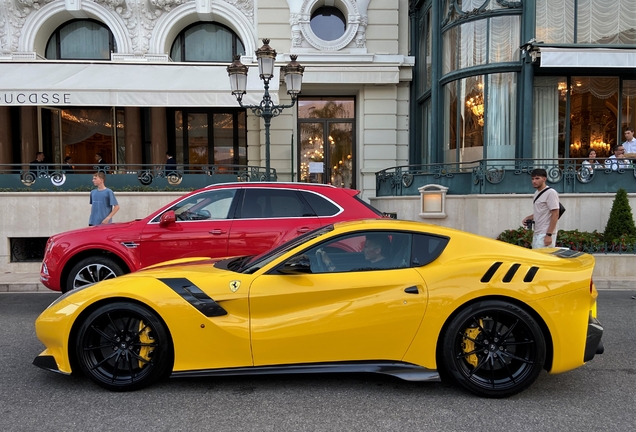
119 84
587 57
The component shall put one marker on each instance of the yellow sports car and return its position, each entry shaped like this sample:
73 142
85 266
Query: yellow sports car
407 299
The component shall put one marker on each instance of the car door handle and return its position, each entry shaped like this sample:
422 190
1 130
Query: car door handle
218 231
411 290
303 230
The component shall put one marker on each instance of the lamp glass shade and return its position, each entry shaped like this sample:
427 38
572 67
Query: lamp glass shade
293 81
266 66
238 83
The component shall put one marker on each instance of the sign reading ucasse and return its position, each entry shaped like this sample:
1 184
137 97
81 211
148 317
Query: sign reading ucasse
35 98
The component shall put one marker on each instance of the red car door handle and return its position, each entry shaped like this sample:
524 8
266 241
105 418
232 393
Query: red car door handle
217 231
302 230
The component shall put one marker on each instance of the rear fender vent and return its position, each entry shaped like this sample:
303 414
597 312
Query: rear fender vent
529 277
491 272
511 272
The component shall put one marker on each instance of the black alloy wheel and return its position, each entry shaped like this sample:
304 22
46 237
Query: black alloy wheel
90 271
123 346
494 349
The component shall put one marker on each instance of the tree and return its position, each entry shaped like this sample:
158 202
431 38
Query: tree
621 220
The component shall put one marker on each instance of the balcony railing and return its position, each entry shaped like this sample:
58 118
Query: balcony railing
505 176
52 177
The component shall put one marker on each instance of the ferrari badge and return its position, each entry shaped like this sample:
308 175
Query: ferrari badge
235 285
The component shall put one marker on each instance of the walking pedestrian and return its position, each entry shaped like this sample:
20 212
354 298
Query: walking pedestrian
104 205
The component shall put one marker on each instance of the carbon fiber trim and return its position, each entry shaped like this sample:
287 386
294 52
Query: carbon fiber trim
405 371
193 295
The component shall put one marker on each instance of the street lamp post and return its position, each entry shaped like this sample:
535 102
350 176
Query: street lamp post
266 57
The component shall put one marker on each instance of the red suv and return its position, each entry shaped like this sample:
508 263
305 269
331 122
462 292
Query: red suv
217 221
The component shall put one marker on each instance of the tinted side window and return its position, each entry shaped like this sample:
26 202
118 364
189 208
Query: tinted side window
426 248
273 203
320 205
204 206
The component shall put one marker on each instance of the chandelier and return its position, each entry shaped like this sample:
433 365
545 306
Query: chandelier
476 105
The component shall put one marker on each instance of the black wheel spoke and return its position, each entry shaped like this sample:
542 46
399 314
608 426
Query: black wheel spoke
517 343
138 357
492 371
98 347
515 357
116 367
104 335
104 360
465 336
479 365
510 329
505 365
130 366
468 354
113 323
143 344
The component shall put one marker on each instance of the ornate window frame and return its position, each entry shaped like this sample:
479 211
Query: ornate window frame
355 27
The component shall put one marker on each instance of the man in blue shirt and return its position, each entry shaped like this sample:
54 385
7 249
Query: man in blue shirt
104 205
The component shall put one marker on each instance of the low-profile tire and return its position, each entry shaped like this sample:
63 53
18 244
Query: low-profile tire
493 348
91 270
123 346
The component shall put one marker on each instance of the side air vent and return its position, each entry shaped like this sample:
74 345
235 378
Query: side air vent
491 271
567 253
511 272
530 275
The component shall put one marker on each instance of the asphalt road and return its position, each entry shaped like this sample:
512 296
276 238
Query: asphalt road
599 396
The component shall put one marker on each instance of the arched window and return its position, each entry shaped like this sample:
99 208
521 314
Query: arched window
81 40
206 42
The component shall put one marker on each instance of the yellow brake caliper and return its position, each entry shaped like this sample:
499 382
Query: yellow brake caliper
144 338
469 346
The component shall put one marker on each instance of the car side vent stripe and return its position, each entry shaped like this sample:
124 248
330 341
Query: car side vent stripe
491 271
530 275
193 295
511 272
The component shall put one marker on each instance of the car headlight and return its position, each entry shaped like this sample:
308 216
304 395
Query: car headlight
49 246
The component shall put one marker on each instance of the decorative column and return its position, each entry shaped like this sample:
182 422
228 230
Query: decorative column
6 145
132 119
158 135
29 133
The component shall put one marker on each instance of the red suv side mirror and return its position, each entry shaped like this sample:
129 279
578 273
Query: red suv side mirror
167 218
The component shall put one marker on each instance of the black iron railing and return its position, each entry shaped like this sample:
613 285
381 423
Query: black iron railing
505 176
52 177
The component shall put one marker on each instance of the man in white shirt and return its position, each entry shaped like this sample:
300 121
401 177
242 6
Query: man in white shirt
630 142
617 160
546 211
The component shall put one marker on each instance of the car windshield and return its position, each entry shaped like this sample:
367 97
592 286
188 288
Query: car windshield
263 259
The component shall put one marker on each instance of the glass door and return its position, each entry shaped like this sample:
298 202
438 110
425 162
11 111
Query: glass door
326 144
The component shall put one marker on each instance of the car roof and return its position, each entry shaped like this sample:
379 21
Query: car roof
272 184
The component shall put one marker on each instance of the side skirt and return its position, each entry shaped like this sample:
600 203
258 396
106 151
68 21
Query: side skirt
405 371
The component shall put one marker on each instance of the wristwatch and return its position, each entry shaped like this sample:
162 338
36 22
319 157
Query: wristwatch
549 234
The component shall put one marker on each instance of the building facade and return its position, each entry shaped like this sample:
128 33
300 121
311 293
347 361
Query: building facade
134 79
541 79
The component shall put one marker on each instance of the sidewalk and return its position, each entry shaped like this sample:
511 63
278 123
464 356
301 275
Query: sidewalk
30 282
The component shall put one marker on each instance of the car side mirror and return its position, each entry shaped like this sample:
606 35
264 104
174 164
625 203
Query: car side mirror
167 218
296 265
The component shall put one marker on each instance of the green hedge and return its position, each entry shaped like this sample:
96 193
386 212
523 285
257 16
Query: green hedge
590 242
